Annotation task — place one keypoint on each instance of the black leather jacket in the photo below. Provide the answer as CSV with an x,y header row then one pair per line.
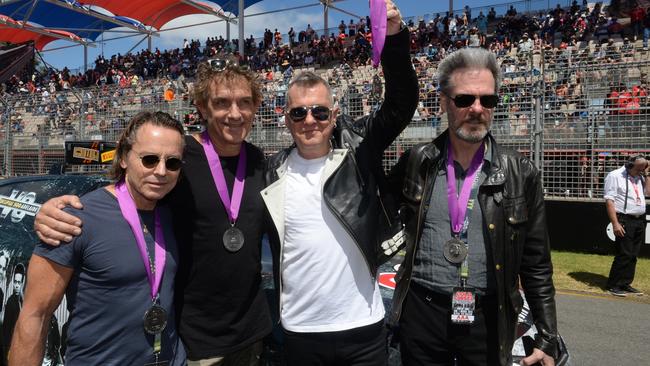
x,y
514,225
351,192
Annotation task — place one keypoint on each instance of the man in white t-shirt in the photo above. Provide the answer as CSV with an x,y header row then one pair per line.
x,y
323,202
625,192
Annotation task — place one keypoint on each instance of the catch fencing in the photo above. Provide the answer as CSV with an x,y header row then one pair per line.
x,y
578,113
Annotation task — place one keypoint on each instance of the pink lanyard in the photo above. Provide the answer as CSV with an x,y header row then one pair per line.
x,y
130,214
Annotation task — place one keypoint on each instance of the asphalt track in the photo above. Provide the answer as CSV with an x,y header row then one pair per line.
x,y
605,331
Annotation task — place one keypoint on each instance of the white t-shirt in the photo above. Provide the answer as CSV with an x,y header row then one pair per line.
x,y
326,283
615,191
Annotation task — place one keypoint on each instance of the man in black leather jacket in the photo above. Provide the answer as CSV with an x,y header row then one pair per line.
x,y
479,257
323,201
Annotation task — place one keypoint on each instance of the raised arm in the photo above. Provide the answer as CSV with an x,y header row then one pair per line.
x,y
45,288
401,97
53,225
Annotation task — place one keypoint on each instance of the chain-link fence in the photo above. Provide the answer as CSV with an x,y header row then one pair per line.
x,y
578,113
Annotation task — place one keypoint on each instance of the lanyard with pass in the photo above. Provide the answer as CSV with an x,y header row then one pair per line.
x,y
456,249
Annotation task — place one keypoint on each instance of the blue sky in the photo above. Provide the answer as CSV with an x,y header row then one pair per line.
x,y
73,57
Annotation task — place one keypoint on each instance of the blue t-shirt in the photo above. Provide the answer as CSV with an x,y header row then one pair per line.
x,y
109,293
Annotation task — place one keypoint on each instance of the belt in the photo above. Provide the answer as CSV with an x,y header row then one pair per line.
x,y
445,299
630,216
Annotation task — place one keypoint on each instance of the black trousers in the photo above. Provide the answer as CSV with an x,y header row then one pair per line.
x,y
428,337
363,346
627,249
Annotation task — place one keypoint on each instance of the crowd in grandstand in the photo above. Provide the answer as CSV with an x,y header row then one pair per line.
x,y
158,76
556,29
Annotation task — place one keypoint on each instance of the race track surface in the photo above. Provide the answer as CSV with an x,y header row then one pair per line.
x,y
604,331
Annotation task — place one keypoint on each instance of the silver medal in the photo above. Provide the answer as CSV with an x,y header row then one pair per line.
x,y
233,239
455,251
155,319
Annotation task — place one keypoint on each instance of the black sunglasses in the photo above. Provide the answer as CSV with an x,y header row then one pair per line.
x,y
151,161
319,112
220,65
466,100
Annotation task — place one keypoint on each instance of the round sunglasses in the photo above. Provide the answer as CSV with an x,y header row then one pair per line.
x,y
151,161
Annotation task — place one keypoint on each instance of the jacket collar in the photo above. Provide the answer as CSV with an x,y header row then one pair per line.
x,y
438,151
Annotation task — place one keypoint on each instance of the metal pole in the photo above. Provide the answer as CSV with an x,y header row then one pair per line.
x,y
7,148
451,7
538,92
326,11
241,28
85,58
228,31
593,117
149,45
538,131
41,161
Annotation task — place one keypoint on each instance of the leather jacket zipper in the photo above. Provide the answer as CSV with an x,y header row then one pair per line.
x,y
354,162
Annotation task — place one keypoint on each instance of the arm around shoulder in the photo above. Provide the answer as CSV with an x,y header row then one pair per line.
x,y
45,288
53,225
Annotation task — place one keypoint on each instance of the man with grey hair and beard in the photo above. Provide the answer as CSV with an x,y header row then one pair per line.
x,y
457,297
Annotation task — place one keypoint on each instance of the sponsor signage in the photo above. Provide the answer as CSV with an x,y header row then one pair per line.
x,y
89,152
584,227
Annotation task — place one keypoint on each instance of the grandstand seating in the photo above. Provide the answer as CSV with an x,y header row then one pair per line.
x,y
556,108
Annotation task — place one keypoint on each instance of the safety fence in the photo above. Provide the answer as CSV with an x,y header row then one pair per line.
x,y
576,113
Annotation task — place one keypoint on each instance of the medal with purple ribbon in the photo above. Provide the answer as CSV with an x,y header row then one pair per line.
x,y
378,26
233,238
155,318
453,251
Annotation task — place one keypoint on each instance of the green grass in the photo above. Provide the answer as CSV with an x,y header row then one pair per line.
x,y
588,273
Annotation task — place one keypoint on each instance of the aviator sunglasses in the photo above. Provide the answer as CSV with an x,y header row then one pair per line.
x,y
151,161
319,112
466,100
220,65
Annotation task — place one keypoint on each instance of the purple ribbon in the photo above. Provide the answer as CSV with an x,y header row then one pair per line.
x,y
458,203
378,26
130,213
232,207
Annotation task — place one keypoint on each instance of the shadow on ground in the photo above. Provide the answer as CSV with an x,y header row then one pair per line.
x,y
590,279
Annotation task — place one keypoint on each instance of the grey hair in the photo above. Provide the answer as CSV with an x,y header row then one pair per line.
x,y
467,58
308,79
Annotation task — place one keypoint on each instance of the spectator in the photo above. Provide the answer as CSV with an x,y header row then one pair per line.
x,y
482,23
637,16
492,15
614,27
352,28
646,30
525,46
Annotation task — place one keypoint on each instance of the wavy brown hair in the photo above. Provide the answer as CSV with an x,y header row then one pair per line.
x,y
232,72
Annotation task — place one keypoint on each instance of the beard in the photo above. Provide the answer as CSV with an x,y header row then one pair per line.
x,y
474,135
